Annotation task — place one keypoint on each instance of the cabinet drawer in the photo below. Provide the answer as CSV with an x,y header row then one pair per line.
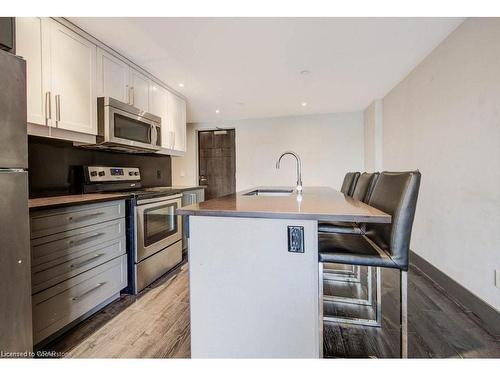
x,y
58,306
71,264
58,248
59,220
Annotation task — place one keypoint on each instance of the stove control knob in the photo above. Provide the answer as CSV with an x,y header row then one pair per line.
x,y
130,173
93,173
136,173
101,173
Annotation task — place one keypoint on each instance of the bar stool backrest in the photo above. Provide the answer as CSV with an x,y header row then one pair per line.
x,y
395,193
364,186
350,180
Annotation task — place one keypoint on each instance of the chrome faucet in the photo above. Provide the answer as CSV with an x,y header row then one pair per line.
x,y
299,168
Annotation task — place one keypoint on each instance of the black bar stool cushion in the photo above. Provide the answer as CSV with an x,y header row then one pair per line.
x,y
338,227
351,249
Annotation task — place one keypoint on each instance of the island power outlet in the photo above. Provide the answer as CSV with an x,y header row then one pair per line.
x,y
295,239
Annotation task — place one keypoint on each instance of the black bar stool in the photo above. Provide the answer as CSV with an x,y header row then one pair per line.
x,y
349,183
382,245
362,192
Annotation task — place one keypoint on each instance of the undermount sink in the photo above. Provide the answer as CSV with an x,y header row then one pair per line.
x,y
271,192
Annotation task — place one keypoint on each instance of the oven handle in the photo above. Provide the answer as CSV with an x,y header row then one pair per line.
x,y
154,201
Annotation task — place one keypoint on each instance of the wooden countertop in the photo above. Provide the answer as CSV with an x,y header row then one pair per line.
x,y
72,200
317,203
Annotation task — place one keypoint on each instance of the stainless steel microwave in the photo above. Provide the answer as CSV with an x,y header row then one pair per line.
x,y
123,127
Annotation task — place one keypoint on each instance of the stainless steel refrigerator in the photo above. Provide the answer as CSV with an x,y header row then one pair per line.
x,y
15,279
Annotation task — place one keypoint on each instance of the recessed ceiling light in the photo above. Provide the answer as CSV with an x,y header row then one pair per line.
x,y
217,111
305,72
304,104
181,84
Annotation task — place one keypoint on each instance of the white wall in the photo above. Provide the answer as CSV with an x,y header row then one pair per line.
x,y
373,136
444,119
328,144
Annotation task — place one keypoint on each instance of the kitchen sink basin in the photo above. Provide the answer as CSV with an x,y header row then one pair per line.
x,y
271,192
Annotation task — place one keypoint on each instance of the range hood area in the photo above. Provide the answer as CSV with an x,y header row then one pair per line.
x,y
125,128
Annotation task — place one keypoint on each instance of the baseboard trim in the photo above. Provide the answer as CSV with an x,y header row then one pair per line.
x,y
489,316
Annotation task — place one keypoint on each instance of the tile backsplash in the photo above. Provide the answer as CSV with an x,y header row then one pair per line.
x,y
52,165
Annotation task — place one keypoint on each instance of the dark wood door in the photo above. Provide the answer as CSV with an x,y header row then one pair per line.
x,y
7,34
217,168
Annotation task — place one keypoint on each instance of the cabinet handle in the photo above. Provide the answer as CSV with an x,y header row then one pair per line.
x,y
58,108
88,292
84,217
78,265
85,240
48,106
132,95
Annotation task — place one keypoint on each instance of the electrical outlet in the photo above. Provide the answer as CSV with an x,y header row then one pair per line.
x,y
295,239
497,278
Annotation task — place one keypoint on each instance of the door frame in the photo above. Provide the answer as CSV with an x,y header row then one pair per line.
x,y
197,150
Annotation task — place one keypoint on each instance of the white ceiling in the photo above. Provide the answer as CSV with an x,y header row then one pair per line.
x,y
250,67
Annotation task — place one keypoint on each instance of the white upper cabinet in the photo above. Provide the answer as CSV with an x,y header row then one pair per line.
x,y
29,46
176,109
158,100
139,90
72,80
172,110
112,76
180,125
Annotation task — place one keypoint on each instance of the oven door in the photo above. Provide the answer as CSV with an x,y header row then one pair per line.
x,y
132,130
158,225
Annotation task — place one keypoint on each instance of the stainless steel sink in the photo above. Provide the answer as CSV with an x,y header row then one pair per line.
x,y
271,192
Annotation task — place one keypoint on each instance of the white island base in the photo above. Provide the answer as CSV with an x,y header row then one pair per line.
x,y
250,297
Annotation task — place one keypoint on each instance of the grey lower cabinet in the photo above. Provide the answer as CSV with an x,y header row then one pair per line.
x,y
78,263
196,195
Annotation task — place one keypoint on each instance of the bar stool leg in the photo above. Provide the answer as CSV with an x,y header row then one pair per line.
x,y
377,322
404,313
378,276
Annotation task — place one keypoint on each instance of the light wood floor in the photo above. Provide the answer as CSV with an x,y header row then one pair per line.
x,y
155,324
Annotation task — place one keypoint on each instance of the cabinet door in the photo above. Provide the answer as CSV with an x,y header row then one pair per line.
x,y
158,100
139,85
178,112
29,46
72,77
158,105
112,76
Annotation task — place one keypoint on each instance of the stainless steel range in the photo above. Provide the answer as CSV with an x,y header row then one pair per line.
x,y
154,230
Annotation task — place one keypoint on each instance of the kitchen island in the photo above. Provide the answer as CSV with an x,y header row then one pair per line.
x,y
253,269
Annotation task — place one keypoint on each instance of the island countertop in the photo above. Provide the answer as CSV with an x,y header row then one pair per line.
x,y
316,203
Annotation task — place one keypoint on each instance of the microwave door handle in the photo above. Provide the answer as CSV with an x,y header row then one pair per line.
x,y
154,135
